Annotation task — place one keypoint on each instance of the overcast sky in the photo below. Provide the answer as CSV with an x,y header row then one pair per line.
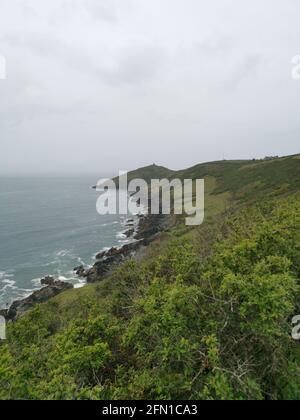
x,y
98,85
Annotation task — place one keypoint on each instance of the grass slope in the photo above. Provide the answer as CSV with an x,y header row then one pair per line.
x,y
205,314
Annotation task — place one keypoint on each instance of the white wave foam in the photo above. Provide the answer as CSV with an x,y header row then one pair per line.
x,y
62,253
121,235
51,263
79,285
5,275
36,282
9,282
124,241
104,249
80,261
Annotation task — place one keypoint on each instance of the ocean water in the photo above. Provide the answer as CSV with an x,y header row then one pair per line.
x,y
48,226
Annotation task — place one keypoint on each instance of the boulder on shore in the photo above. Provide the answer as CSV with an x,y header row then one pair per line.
x,y
106,261
52,289
48,281
80,271
128,233
149,228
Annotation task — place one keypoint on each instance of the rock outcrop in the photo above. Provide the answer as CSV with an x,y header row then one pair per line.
x,y
20,307
149,227
80,271
128,233
107,261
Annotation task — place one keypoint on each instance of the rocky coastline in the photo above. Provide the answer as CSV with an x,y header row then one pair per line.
x,y
50,289
149,227
147,230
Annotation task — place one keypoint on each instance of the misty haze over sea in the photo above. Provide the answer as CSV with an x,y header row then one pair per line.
x,y
49,225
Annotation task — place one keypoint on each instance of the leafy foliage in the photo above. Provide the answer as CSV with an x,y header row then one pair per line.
x,y
186,324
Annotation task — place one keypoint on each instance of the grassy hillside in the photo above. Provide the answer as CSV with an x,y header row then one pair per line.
x,y
241,181
204,313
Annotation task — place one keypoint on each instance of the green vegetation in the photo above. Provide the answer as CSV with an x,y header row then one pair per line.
x,y
148,173
205,315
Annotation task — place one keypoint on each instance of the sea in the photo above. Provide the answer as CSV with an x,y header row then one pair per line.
x,y
48,226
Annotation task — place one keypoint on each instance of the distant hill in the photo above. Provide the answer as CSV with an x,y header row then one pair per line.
x,y
242,179
147,173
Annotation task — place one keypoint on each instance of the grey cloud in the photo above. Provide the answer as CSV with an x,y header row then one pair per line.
x,y
119,83
246,68
97,9
102,9
138,65
213,48
133,65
